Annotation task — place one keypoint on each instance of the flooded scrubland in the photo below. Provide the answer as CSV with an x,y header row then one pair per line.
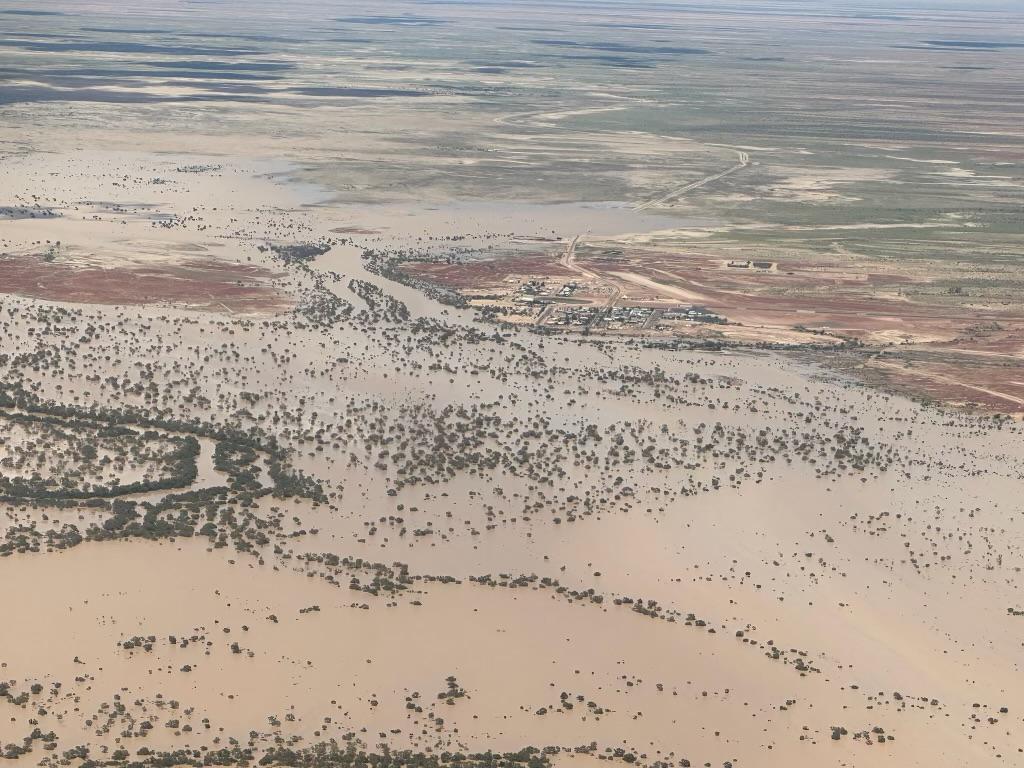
x,y
385,391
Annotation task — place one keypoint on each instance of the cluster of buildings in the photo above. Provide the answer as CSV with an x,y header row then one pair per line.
x,y
574,316
693,314
532,290
557,305
629,317
622,318
764,266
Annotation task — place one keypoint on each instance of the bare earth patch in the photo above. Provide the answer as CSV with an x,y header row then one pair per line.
x,y
197,283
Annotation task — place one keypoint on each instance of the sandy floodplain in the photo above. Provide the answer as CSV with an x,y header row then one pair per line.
x,y
404,529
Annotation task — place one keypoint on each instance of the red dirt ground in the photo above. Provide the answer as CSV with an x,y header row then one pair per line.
x,y
201,284
995,385
476,274
962,354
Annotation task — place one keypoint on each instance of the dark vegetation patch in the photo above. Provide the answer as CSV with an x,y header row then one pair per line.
x,y
297,253
622,62
629,25
187,74
129,31
972,45
224,514
250,37
123,47
379,264
624,47
79,78
78,440
10,212
400,21
381,307
213,64
28,95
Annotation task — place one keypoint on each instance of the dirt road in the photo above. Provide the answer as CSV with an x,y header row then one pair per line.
x,y
743,161
568,261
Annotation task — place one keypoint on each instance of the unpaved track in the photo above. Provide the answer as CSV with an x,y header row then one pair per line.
x,y
669,290
876,363
568,261
743,161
